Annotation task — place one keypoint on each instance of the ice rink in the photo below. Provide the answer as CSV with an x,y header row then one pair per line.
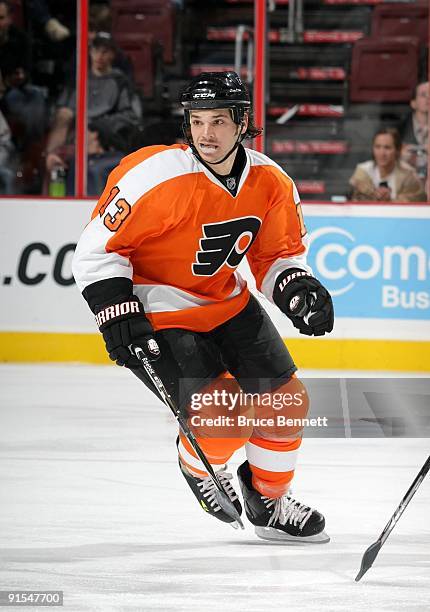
x,y
92,503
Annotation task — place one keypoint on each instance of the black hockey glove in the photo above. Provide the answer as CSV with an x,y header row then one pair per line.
x,y
124,324
297,293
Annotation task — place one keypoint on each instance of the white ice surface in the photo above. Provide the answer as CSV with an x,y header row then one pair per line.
x,y
92,503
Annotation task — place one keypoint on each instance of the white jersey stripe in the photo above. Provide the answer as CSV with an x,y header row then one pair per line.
x,y
166,298
91,263
280,265
192,461
188,458
154,171
298,261
272,461
259,159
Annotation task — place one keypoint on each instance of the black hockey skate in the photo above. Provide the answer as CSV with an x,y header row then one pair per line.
x,y
283,519
205,491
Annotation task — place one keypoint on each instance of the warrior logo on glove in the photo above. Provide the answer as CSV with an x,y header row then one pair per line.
x,y
123,325
116,310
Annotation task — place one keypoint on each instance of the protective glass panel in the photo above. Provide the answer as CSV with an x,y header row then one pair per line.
x,y
348,98
37,57
339,71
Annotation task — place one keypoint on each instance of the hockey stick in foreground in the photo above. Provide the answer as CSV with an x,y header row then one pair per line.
x,y
373,550
221,496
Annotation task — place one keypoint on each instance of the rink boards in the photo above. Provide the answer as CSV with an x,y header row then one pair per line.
x,y
375,260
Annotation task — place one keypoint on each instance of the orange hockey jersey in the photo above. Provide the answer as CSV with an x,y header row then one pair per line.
x,y
168,224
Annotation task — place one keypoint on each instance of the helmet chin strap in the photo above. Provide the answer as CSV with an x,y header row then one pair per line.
x,y
232,150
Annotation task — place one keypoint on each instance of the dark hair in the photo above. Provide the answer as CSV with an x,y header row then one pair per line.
x,y
252,130
394,133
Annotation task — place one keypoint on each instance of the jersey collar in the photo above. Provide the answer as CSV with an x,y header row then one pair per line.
x,y
214,178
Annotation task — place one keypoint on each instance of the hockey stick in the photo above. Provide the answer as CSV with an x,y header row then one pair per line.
x,y
373,550
221,496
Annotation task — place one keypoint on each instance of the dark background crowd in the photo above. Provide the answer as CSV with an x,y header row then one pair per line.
x,y
340,134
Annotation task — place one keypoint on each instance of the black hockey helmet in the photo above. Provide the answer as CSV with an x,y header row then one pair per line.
x,y
217,90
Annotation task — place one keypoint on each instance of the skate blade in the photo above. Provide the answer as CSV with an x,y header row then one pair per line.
x,y
237,524
276,535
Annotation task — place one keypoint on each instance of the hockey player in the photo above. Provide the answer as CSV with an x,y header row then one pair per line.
x,y
158,261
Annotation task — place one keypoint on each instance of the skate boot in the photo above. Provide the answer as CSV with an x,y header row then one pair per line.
x,y
205,491
283,519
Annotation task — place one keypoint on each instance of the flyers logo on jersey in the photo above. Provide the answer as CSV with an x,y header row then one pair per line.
x,y
224,243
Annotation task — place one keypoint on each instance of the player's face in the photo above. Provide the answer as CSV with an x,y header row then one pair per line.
x,y
384,151
214,133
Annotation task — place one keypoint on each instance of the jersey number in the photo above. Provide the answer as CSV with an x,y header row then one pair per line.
x,y
224,243
114,221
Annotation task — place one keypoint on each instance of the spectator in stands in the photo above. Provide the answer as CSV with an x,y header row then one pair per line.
x,y
14,43
24,106
52,24
414,131
110,116
7,174
385,178
43,13
100,20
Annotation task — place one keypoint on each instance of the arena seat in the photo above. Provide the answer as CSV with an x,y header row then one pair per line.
x,y
401,20
156,17
384,70
17,13
141,51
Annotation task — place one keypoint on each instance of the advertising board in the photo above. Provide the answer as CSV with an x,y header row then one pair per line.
x,y
375,261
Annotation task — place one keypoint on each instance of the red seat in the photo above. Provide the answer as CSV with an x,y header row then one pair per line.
x,y
156,17
384,70
17,13
141,49
401,20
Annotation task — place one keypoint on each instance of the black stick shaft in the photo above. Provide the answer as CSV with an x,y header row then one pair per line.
x,y
182,423
373,550
405,501
222,497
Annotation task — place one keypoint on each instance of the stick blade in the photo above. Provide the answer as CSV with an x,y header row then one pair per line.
x,y
368,559
227,505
